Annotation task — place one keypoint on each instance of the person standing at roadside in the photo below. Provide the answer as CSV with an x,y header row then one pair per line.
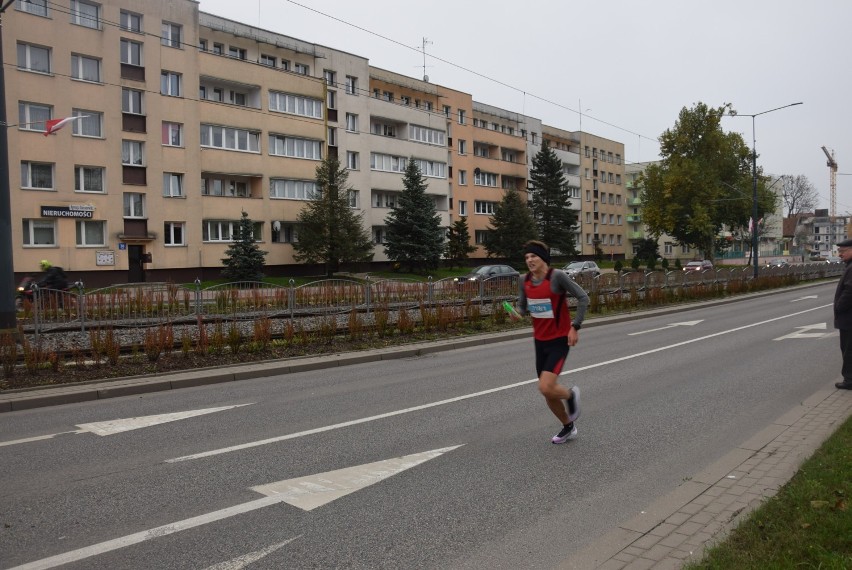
x,y
544,296
843,313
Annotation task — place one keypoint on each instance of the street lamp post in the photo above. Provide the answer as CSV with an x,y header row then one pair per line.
x,y
754,240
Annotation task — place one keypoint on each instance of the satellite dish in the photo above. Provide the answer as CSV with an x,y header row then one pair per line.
x,y
276,225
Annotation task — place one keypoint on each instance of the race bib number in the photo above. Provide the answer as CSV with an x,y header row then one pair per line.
x,y
540,308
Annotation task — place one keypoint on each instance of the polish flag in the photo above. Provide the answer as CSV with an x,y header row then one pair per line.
x,y
54,125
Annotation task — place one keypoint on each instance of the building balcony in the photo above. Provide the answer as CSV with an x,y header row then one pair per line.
x,y
635,235
634,218
634,201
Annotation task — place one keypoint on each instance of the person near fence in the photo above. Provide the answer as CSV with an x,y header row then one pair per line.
x,y
544,296
843,313
53,276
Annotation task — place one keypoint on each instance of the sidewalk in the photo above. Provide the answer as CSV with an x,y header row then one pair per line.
x,y
702,511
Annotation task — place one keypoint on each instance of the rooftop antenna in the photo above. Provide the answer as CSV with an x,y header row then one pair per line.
x,y
425,41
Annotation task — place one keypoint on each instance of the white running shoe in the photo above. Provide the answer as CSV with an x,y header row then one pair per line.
x,y
565,434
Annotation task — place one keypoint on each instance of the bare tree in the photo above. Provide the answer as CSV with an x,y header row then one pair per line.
x,y
799,194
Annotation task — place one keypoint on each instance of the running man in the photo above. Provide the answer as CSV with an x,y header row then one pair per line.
x,y
544,296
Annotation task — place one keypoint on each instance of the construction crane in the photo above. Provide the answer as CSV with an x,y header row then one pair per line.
x,y
832,164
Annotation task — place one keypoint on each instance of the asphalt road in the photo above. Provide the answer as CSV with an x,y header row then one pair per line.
x,y
455,464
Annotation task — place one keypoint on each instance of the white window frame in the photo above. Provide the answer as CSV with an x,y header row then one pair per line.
x,y
427,135
131,52
134,205
232,227
351,85
462,146
25,53
352,160
230,138
291,189
387,162
485,179
171,83
26,112
129,99
287,232
82,229
268,60
27,175
463,208
171,35
431,168
354,198
34,7
351,123
462,177
81,14
82,64
174,234
173,185
132,153
295,104
80,172
302,68
237,52
91,125
31,226
131,21
486,207
168,132
295,147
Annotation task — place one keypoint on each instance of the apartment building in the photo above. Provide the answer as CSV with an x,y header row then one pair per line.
x,y
566,146
603,198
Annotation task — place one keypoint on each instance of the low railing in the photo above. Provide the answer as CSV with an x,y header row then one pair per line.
x,y
154,304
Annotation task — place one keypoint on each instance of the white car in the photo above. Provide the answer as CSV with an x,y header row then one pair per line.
x,y
582,268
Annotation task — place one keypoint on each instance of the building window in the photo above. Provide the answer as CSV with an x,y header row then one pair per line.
x,y
301,69
85,68
39,233
134,205
172,185
91,233
354,199
378,236
405,100
37,175
85,14
131,52
131,22
480,150
283,232
351,85
33,58
37,7
173,233
292,189
352,160
462,207
90,123
295,104
480,237
485,179
132,153
89,179
447,111
352,122
237,52
33,116
171,35
462,116
218,49
172,134
268,60
331,100
332,136
281,145
484,207
131,101
387,162
462,177
431,168
228,138
427,135
170,84
462,146
383,129
216,230
330,77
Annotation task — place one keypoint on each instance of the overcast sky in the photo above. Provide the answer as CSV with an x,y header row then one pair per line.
x,y
630,66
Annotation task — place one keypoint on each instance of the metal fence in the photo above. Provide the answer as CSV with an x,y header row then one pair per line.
x,y
153,304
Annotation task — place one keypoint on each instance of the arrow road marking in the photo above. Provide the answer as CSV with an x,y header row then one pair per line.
x,y
804,298
246,559
683,324
314,491
802,332
118,426
333,485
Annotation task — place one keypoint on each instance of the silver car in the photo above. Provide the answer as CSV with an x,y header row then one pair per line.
x,y
576,268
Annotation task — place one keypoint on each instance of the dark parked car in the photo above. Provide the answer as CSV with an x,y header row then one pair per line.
x,y
698,265
487,272
576,268
778,263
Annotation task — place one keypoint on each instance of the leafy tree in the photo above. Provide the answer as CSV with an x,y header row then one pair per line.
x,y
704,181
415,237
647,248
636,262
458,242
244,261
329,231
512,225
798,194
550,202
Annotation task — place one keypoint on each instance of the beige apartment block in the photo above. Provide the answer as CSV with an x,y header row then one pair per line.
x,y
566,146
602,194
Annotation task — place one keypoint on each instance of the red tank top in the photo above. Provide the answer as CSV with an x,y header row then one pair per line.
x,y
549,311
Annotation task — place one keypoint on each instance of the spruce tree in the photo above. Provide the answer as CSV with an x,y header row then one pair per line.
x,y
458,242
550,201
330,232
244,260
512,225
415,237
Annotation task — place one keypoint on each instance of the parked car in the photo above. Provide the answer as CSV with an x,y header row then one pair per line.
x,y
576,268
777,263
833,259
698,265
487,272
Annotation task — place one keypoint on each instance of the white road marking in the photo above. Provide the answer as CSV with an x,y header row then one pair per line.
x,y
246,559
341,425
683,324
314,491
299,492
804,298
111,427
802,332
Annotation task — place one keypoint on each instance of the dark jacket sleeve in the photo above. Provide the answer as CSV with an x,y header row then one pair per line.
x,y
843,301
